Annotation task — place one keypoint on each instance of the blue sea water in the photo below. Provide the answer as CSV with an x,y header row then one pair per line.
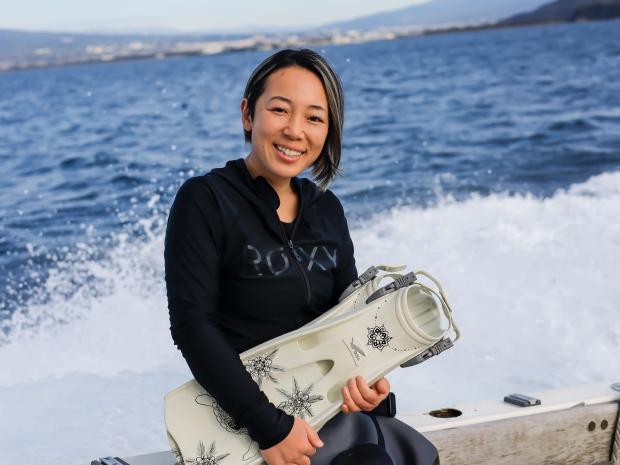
x,y
491,159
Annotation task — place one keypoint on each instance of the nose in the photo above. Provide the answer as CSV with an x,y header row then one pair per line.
x,y
294,128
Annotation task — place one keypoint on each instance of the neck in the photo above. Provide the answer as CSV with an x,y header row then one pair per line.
x,y
282,186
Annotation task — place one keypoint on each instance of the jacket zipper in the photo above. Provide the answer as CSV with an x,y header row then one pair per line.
x,y
297,260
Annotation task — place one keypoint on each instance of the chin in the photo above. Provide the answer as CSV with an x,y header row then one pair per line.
x,y
287,168
288,171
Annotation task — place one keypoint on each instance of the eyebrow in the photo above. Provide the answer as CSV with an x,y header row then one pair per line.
x,y
290,102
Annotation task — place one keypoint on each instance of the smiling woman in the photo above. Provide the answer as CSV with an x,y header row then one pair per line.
x,y
242,265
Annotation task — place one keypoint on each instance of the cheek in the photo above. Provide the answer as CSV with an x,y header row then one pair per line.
x,y
265,123
319,137
317,149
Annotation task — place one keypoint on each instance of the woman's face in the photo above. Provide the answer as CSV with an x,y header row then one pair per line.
x,y
290,124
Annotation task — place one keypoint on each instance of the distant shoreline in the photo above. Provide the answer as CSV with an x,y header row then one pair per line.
x,y
119,59
276,43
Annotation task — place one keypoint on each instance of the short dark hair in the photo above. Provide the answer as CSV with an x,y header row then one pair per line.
x,y
327,165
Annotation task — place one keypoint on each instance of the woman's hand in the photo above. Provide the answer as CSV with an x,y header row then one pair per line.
x,y
357,396
296,448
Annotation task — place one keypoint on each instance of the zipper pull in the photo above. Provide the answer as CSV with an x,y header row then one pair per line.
x,y
295,254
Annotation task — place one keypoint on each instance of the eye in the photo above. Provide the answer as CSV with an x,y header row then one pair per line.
x,y
278,110
315,119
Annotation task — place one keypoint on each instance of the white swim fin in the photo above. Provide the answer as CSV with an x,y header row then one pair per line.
x,y
369,333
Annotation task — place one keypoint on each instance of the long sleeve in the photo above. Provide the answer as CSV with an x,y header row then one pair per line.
x,y
192,266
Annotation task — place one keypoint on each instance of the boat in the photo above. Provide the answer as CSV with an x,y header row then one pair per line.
x,y
575,425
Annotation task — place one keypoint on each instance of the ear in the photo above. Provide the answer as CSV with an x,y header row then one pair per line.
x,y
246,120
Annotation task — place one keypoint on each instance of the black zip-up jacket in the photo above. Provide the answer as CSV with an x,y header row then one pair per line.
x,y
236,277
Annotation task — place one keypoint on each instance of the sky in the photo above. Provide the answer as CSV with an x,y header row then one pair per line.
x,y
184,15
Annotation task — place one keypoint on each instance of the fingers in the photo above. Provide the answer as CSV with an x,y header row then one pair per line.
x,y
313,437
348,405
302,460
369,394
370,398
358,396
382,387
304,454
297,448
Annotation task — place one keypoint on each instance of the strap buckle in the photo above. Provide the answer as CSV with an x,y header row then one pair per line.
x,y
400,282
435,349
359,282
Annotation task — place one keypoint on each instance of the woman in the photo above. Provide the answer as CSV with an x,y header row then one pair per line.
x,y
252,251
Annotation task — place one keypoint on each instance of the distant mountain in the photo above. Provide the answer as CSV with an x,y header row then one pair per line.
x,y
568,10
439,13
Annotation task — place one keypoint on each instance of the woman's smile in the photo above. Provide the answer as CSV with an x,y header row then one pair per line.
x,y
287,153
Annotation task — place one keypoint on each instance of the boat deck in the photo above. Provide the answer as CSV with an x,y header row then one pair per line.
x,y
573,426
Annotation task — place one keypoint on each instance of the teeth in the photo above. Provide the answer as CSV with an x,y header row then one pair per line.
x,y
289,152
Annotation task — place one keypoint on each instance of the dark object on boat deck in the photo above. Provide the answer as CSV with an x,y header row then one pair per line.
x,y
521,400
445,413
109,461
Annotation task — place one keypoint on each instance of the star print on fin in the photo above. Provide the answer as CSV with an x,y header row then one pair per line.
x,y
299,402
378,337
207,458
262,367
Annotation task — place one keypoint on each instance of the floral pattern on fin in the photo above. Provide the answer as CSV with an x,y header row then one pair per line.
x,y
262,367
378,337
207,458
299,402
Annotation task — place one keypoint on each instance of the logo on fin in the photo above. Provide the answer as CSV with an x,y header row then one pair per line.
x,y
355,350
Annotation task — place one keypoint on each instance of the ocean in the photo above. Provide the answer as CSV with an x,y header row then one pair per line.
x,y
490,159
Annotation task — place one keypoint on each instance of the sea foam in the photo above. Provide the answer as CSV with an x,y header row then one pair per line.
x,y
533,285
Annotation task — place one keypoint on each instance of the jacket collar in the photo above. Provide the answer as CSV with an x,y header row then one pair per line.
x,y
236,173
259,192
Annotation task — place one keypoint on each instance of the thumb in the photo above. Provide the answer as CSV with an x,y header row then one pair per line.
x,y
382,387
313,436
